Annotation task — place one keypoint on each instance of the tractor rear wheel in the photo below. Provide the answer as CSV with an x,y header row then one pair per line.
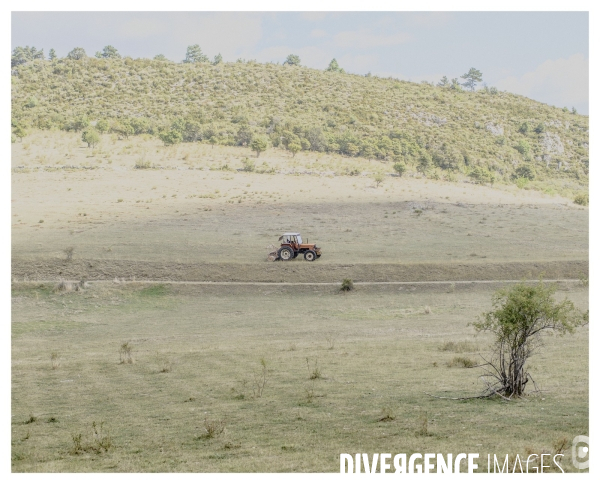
x,y
285,253
310,255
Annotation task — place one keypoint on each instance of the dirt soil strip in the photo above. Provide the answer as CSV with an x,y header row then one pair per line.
x,y
278,284
291,272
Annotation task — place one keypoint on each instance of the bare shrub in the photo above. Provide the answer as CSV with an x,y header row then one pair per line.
x,y
423,425
331,339
260,379
69,253
125,353
54,360
101,441
314,372
310,393
213,427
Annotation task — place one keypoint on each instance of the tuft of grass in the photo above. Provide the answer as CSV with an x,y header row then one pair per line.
x,y
458,346
32,418
423,425
156,290
64,286
347,285
166,365
461,362
388,415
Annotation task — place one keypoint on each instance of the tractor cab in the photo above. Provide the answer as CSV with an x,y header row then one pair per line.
x,y
292,238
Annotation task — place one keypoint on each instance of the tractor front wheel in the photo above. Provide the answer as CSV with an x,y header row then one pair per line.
x,y
286,253
310,255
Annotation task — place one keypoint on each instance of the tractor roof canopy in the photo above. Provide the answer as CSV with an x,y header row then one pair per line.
x,y
292,233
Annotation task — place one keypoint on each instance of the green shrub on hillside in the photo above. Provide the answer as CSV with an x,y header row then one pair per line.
x,y
582,199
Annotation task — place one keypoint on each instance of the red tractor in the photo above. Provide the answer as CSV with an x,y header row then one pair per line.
x,y
292,246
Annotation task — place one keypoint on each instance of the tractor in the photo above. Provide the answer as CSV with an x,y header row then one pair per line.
x,y
292,246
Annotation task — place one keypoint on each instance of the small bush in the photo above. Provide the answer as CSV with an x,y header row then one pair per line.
x,y
400,168
521,182
142,164
248,165
378,178
582,199
125,353
461,362
347,285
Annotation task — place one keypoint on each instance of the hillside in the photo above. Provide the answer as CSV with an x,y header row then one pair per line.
x,y
438,131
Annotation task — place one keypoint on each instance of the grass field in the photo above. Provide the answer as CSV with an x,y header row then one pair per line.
x,y
197,352
201,353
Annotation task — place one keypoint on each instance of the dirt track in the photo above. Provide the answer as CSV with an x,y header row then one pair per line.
x,y
295,271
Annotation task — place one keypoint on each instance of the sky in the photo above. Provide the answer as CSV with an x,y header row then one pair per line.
x,y
541,55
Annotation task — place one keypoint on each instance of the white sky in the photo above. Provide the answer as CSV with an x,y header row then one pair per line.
x,y
543,55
